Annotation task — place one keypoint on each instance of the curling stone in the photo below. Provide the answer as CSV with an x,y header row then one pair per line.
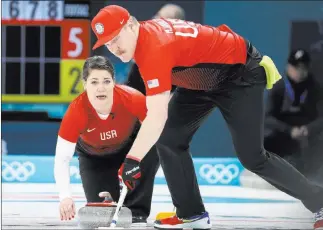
x,y
96,215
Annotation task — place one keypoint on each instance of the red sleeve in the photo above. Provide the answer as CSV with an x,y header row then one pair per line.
x,y
156,70
138,105
136,102
225,28
73,123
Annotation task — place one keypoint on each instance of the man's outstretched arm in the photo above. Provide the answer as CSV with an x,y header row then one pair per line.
x,y
152,126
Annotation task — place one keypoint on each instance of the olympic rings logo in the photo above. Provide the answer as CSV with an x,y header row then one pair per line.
x,y
219,173
17,171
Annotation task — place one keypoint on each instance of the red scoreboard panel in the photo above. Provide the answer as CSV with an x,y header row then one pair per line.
x,y
44,46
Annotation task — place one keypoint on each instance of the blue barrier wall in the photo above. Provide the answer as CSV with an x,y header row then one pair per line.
x,y
30,137
39,169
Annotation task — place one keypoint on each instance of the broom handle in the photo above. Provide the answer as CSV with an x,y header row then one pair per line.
x,y
119,205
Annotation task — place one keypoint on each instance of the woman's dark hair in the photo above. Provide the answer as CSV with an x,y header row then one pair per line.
x,y
97,62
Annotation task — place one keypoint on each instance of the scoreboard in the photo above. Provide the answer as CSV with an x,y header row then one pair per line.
x,y
44,46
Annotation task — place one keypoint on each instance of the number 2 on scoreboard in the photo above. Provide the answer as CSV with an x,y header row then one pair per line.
x,y
75,72
71,78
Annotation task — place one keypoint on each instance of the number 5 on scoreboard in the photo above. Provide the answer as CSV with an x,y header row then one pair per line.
x,y
75,39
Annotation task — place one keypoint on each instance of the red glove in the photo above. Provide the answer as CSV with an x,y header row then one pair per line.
x,y
130,172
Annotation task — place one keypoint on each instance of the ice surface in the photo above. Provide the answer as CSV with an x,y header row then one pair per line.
x,y
35,206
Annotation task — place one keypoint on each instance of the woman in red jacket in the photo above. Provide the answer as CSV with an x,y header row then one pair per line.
x,y
101,125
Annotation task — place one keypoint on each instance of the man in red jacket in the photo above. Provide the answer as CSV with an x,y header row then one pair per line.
x,y
212,67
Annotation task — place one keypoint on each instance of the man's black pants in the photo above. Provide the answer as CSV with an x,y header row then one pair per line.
x,y
241,103
101,174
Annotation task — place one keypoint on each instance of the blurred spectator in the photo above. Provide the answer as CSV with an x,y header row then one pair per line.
x,y
294,116
167,11
171,11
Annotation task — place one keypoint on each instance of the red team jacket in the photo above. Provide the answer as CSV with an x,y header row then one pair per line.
x,y
166,47
104,136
